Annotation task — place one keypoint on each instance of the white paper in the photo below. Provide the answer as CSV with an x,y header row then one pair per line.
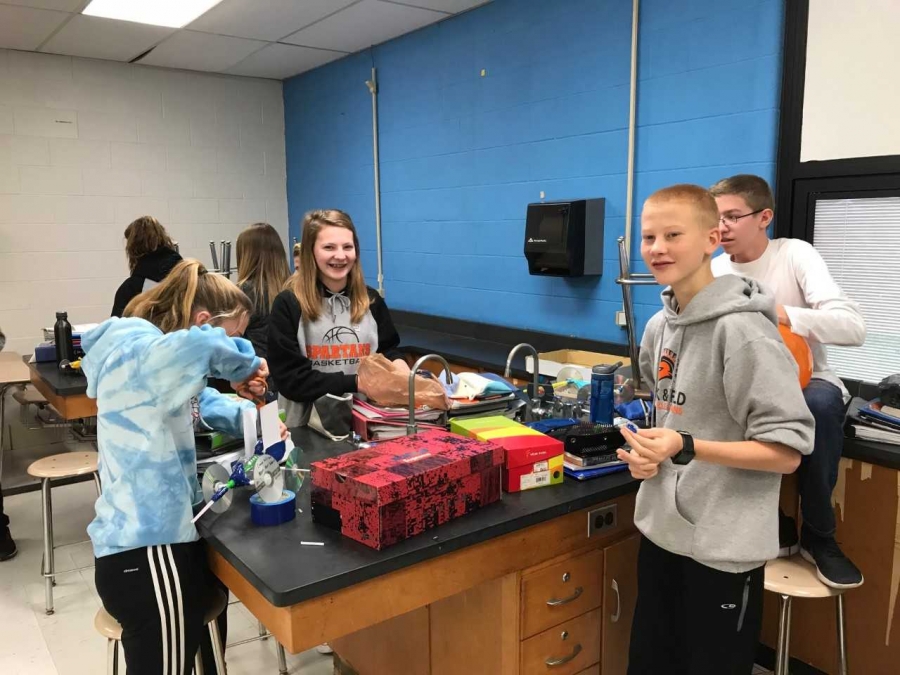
x,y
249,418
269,421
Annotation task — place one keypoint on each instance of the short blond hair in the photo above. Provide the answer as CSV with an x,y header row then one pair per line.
x,y
752,189
695,196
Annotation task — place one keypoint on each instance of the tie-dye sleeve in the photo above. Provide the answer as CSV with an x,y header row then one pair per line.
x,y
223,413
175,366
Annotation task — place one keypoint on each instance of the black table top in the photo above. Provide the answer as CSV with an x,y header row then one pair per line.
x,y
60,383
286,573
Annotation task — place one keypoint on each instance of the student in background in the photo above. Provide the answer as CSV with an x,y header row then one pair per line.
x,y
7,544
297,256
327,319
262,271
151,256
729,419
148,374
813,306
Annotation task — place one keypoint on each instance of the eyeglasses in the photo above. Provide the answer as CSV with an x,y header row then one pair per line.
x,y
732,219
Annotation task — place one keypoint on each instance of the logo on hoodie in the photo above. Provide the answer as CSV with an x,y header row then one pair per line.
x,y
666,368
668,398
341,348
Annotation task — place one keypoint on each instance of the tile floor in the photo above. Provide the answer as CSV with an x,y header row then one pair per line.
x,y
65,643
32,643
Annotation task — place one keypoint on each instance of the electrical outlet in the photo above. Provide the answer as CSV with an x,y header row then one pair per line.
x,y
602,519
620,318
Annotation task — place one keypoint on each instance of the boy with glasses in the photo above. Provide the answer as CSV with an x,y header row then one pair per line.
x,y
812,305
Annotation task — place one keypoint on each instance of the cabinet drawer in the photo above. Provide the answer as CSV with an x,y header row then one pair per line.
x,y
566,649
560,592
593,670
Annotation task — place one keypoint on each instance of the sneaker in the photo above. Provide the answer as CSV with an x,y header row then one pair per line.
x,y
7,546
325,648
788,541
832,567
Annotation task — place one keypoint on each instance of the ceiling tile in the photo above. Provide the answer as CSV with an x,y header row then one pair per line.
x,y
201,51
368,23
449,6
243,18
26,28
62,5
105,38
279,61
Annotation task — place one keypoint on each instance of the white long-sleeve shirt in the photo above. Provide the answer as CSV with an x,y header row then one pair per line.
x,y
818,309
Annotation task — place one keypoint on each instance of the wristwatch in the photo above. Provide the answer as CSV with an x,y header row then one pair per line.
x,y
687,450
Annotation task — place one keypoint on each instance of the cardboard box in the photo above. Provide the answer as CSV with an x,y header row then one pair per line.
x,y
468,426
542,473
552,362
397,489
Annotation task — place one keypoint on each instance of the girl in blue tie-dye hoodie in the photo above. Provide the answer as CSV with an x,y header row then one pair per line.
x,y
148,373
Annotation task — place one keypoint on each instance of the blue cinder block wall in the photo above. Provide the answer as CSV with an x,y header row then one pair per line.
x,y
463,153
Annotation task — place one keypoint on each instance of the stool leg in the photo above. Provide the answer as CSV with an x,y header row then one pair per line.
x,y
282,661
263,631
47,567
97,483
842,636
198,663
112,657
782,652
3,389
218,654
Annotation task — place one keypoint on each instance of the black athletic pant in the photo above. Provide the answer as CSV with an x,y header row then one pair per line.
x,y
691,619
159,595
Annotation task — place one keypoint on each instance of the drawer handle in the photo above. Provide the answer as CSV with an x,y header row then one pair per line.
x,y
615,617
552,663
556,602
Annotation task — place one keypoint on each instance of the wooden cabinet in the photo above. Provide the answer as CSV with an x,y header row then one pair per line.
x,y
565,649
560,592
566,611
620,589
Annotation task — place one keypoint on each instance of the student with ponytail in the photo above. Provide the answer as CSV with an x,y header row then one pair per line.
x,y
262,271
148,373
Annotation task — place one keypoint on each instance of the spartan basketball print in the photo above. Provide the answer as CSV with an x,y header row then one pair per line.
x,y
340,347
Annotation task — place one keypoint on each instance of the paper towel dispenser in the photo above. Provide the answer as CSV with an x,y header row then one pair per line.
x,y
565,238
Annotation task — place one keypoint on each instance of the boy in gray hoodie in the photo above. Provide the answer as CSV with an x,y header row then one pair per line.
x,y
729,419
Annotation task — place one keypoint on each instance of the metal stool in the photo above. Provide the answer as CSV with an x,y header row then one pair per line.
x,y
263,634
109,628
795,578
66,465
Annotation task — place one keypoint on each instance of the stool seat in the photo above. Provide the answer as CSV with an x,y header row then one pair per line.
x,y
109,628
29,396
64,465
797,578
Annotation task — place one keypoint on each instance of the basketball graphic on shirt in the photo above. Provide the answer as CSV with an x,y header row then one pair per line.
x,y
799,349
341,335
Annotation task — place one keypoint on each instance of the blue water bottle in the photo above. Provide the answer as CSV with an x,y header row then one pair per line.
x,y
602,393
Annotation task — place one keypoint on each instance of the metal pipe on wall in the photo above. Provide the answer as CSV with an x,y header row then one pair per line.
x,y
373,90
632,116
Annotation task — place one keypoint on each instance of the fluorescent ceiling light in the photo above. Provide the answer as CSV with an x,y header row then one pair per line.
x,y
170,13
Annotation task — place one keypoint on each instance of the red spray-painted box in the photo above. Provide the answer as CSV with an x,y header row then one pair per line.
x,y
397,489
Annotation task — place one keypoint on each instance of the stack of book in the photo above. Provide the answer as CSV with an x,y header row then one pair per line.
x,y
590,450
378,423
873,421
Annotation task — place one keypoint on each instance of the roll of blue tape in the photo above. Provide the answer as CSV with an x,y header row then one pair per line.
x,y
274,513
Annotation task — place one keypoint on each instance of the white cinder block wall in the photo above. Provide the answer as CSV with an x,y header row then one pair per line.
x,y
87,146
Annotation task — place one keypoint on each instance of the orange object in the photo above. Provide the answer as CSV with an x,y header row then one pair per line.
x,y
801,352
